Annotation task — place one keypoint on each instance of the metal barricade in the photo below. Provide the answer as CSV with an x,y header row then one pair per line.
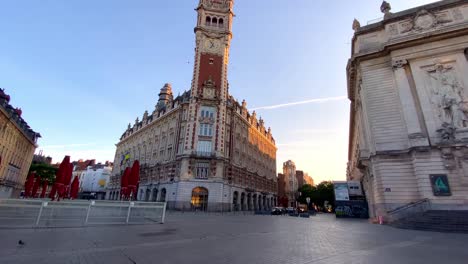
x,y
73,213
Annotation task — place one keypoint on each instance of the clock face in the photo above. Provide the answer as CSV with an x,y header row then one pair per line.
x,y
211,45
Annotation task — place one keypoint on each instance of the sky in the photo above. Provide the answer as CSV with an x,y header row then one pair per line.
x,y
81,70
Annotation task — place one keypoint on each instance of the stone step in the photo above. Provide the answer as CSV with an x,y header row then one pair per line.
x,y
436,220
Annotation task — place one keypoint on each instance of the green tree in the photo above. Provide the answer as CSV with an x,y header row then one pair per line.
x,y
45,171
326,193
318,194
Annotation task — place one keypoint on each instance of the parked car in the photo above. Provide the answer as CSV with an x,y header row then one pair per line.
x,y
276,211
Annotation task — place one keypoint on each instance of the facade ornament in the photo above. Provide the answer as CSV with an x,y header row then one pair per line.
x,y
397,64
447,133
137,121
448,96
385,9
129,126
356,25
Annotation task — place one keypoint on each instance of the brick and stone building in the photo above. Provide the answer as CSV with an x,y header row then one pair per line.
x,y
202,150
408,87
300,178
17,145
290,182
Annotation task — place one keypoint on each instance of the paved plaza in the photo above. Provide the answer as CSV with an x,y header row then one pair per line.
x,y
215,238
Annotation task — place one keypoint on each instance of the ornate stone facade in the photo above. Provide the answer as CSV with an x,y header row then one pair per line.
x,y
202,150
17,146
407,82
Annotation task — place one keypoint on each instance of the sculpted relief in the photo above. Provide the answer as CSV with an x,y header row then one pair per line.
x,y
448,96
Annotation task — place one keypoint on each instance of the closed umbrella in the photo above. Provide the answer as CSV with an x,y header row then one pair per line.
x,y
134,178
37,183
61,177
28,185
124,183
44,188
74,188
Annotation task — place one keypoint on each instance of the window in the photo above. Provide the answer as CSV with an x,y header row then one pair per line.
x,y
202,170
221,23
211,61
214,21
208,21
204,147
207,112
206,130
466,53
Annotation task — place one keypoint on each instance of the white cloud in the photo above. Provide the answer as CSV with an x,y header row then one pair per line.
x,y
310,101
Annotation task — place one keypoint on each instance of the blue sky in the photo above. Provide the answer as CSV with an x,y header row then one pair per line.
x,y
81,70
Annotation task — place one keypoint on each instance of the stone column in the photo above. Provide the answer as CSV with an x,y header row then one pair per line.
x,y
416,134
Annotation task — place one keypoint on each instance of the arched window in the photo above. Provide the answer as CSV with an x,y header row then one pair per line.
x,y
199,199
466,53
214,21
163,195
221,23
208,21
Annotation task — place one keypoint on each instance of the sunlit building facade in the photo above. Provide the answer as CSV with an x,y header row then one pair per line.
x,y
17,146
202,150
408,87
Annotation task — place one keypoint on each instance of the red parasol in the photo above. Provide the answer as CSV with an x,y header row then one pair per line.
x,y
61,177
74,188
44,188
37,183
134,178
53,192
124,183
28,185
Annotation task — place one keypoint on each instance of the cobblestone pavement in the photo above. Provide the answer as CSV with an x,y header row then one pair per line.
x,y
215,238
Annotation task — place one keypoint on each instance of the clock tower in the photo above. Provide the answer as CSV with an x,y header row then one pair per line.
x,y
209,90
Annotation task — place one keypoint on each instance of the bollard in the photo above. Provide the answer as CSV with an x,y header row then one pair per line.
x,y
129,209
163,213
88,211
43,204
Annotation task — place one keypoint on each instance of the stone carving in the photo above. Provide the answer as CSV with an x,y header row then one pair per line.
x,y
449,98
424,20
393,29
356,24
447,132
457,14
396,64
406,27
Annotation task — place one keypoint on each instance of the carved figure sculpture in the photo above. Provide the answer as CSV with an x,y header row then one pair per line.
x,y
453,108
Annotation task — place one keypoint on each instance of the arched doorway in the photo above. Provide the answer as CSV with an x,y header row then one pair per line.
x,y
235,201
163,195
147,195
155,194
254,198
249,201
199,199
243,201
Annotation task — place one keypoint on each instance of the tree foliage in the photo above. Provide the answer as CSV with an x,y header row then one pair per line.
x,y
45,171
318,194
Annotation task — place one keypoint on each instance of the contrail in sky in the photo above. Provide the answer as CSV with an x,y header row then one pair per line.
x,y
310,101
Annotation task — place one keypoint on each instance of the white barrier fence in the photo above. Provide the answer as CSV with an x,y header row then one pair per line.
x,y
73,213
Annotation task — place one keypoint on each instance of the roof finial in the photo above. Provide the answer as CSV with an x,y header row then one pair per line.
x,y
385,8
356,24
